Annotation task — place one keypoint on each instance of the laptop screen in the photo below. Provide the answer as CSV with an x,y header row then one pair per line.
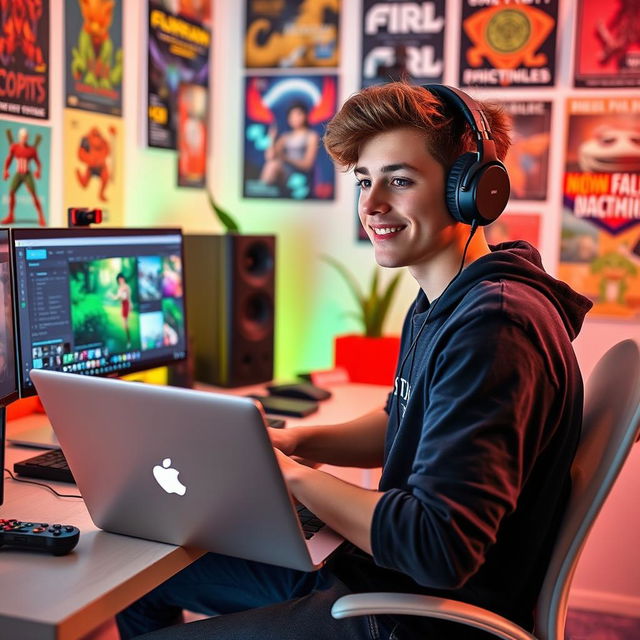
x,y
98,301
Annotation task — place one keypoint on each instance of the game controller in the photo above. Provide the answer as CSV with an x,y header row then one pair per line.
x,y
57,539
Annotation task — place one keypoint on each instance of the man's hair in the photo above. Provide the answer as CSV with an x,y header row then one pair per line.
x,y
382,108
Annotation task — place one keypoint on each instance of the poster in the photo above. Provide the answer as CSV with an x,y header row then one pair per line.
x,y
192,136
514,226
506,43
607,44
94,164
292,33
402,41
25,152
178,54
600,243
527,160
24,58
93,55
195,10
285,117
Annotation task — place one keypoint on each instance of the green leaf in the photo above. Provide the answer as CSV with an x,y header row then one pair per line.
x,y
352,283
230,225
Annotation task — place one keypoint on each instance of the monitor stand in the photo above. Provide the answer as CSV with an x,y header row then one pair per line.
x,y
40,437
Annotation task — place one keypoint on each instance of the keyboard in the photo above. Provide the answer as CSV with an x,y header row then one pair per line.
x,y
52,465
310,523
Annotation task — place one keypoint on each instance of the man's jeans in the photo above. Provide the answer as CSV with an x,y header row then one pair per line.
x,y
263,602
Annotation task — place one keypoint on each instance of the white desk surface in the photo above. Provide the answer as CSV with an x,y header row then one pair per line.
x,y
44,597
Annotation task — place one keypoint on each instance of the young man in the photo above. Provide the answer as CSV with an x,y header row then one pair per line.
x,y
476,440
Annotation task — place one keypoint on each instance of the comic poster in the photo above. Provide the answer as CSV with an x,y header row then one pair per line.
x,y
178,53
192,136
24,58
507,43
402,41
25,152
94,163
284,120
600,242
607,44
528,158
93,55
292,33
514,226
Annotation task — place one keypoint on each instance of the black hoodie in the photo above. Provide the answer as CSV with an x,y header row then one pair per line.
x,y
476,476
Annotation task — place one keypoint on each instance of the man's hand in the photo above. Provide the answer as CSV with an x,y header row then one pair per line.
x,y
5,175
283,439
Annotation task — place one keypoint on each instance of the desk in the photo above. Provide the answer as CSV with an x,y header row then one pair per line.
x,y
44,597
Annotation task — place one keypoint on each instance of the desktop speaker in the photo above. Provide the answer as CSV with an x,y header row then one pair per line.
x,y
230,292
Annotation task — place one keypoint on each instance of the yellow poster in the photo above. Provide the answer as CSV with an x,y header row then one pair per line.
x,y
94,164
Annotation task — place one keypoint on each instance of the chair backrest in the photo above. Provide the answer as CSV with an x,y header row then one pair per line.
x,y
611,425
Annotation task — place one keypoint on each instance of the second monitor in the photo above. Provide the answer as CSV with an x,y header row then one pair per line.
x,y
98,301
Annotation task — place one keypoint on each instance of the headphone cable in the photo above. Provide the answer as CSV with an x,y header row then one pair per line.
x,y
412,348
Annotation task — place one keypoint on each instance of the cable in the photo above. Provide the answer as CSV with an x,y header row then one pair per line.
x,y
412,348
42,484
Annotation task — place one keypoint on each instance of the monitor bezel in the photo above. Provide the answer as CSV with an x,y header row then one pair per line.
x,y
87,232
15,393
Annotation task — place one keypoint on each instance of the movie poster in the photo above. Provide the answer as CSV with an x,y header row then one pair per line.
x,y
93,56
505,43
24,58
178,54
284,120
607,44
94,164
402,41
192,136
292,33
514,226
528,158
600,244
195,10
25,152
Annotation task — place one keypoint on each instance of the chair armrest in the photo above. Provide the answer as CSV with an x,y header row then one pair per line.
x,y
416,605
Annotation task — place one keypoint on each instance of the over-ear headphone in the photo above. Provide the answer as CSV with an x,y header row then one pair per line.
x,y
477,185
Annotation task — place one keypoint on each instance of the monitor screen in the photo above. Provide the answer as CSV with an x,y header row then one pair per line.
x,y
98,301
8,382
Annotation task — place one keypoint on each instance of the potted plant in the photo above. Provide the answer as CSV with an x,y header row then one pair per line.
x,y
371,356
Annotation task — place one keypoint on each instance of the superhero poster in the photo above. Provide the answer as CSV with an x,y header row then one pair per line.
x,y
508,43
93,55
402,41
607,44
285,117
192,136
25,152
24,58
94,163
600,242
292,33
514,226
528,158
178,53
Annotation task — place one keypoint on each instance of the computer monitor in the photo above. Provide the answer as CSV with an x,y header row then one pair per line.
x,y
8,376
98,301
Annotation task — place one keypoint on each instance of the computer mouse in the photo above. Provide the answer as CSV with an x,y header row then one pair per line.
x,y
302,390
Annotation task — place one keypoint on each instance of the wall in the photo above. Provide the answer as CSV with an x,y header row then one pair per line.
x,y
311,297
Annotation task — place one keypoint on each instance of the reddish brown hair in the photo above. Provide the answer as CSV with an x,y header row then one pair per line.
x,y
391,106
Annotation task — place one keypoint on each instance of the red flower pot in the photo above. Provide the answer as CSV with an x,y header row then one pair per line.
x,y
370,360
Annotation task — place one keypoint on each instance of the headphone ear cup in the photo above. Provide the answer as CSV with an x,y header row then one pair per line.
x,y
455,179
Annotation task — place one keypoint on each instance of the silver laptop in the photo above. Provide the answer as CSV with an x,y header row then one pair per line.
x,y
185,467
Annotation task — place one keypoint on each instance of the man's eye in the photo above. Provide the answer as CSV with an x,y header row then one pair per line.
x,y
401,182
364,183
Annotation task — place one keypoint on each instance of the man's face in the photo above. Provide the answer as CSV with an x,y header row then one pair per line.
x,y
402,203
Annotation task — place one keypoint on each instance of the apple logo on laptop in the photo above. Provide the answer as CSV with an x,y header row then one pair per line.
x,y
167,478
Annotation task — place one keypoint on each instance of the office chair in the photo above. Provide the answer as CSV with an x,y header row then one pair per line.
x,y
611,424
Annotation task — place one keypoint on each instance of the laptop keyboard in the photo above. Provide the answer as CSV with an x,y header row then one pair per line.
x,y
52,465
310,523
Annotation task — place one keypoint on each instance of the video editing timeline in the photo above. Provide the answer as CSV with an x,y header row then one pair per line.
x,y
98,301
